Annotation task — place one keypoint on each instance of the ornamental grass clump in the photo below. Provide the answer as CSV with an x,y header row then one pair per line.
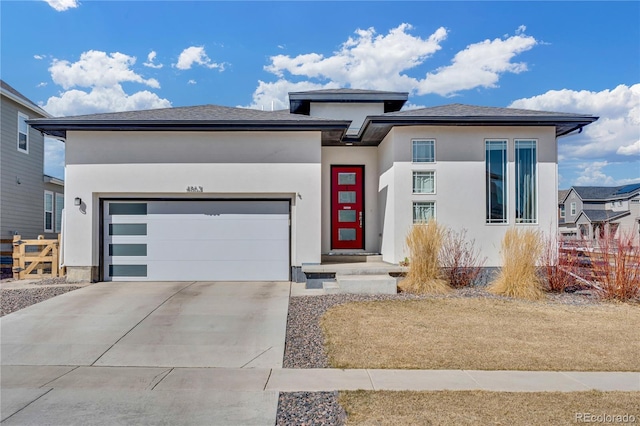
x,y
424,276
521,250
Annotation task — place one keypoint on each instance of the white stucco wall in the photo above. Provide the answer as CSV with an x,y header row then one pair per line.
x,y
460,184
283,165
356,112
352,156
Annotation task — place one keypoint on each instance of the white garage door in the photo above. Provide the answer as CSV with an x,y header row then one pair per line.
x,y
196,241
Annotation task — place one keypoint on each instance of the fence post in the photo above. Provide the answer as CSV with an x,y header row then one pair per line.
x,y
18,257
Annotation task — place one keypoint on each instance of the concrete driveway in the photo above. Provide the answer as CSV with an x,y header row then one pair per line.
x,y
145,353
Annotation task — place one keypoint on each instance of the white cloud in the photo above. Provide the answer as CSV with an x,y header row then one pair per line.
x,y
103,74
369,60
196,55
479,65
38,57
42,84
192,81
617,129
269,95
592,174
62,5
150,58
632,149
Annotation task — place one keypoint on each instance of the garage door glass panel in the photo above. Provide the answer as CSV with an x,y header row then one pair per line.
x,y
347,197
127,229
127,270
127,209
127,249
347,216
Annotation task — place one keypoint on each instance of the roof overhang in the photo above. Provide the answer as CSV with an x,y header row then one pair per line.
x,y
25,104
300,102
332,130
375,128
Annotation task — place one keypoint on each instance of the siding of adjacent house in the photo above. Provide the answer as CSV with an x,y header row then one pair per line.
x,y
21,177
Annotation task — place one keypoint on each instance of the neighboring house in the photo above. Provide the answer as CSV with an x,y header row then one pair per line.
x,y
594,212
218,193
30,202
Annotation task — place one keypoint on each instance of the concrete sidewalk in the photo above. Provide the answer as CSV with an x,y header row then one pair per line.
x,y
98,395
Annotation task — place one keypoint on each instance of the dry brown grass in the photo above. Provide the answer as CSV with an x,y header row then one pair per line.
x,y
483,334
424,276
518,277
483,407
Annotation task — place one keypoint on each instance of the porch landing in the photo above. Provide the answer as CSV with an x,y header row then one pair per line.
x,y
360,273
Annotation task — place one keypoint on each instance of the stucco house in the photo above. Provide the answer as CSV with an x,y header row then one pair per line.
x,y
31,202
218,193
595,212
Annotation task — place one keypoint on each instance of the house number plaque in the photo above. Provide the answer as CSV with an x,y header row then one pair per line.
x,y
194,189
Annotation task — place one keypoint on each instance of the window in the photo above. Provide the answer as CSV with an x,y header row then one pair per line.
x,y
562,210
23,133
58,216
496,181
48,211
423,211
424,182
424,152
573,209
526,190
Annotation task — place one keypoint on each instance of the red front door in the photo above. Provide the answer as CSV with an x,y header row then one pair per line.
x,y
347,207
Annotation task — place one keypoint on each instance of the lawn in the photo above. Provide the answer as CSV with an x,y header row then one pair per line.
x,y
483,334
488,408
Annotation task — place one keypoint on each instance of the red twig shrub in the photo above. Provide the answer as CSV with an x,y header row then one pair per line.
x,y
557,265
617,268
460,260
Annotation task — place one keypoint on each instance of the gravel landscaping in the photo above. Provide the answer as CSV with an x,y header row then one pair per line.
x,y
14,299
310,408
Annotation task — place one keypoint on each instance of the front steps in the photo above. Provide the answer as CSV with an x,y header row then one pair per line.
x,y
361,284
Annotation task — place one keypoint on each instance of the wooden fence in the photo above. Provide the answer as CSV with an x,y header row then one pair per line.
x,y
36,258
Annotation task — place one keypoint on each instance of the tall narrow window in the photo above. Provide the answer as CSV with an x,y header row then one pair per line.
x,y
526,188
496,181
48,211
423,152
58,215
424,182
23,133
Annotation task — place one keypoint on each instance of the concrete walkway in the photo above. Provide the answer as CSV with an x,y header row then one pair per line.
x,y
93,395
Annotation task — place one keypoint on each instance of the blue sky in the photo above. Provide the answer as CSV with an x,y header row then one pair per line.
x,y
98,56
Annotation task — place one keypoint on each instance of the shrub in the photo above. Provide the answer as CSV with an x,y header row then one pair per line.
x,y
520,252
425,242
618,268
460,261
557,265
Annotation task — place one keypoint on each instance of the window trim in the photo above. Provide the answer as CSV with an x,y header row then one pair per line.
x,y
521,221
413,210
21,117
562,211
413,143
573,208
57,217
50,193
413,177
505,189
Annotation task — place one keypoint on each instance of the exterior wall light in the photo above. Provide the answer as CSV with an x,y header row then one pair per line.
x,y
77,201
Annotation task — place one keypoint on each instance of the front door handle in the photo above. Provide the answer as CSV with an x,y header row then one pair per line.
x,y
360,219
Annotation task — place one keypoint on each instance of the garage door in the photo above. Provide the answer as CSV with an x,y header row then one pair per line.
x,y
196,241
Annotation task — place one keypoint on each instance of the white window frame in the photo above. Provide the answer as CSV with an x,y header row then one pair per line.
x,y
413,181
414,142
519,190
413,210
57,217
22,117
573,208
52,211
505,180
562,211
